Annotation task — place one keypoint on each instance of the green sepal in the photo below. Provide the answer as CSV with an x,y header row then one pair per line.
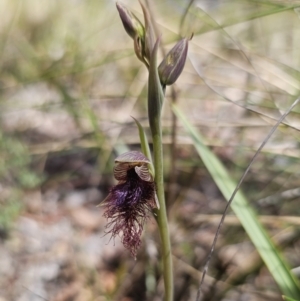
x,y
155,93
149,33
145,146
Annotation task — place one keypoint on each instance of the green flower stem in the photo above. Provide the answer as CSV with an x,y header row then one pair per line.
x,y
155,101
162,214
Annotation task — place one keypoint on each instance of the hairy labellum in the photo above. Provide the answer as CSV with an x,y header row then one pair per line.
x,y
129,203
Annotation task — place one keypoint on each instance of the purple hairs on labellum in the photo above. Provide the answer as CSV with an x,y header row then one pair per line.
x,y
130,201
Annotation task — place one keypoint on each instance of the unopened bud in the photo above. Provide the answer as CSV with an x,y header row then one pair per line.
x,y
172,65
131,23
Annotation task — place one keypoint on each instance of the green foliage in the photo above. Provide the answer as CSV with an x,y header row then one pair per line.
x,y
10,208
16,175
288,299
15,164
269,252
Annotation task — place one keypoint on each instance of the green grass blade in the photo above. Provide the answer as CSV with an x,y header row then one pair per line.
x,y
247,216
287,298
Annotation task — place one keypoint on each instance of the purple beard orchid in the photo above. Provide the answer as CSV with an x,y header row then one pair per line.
x,y
130,201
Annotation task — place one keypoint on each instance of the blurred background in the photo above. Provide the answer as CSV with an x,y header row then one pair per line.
x,y
69,84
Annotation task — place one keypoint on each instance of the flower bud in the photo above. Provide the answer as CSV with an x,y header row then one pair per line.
x,y
131,23
172,65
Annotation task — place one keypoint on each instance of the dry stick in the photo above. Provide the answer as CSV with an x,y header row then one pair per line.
x,y
235,102
240,49
236,190
219,27
228,99
185,15
250,18
277,197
